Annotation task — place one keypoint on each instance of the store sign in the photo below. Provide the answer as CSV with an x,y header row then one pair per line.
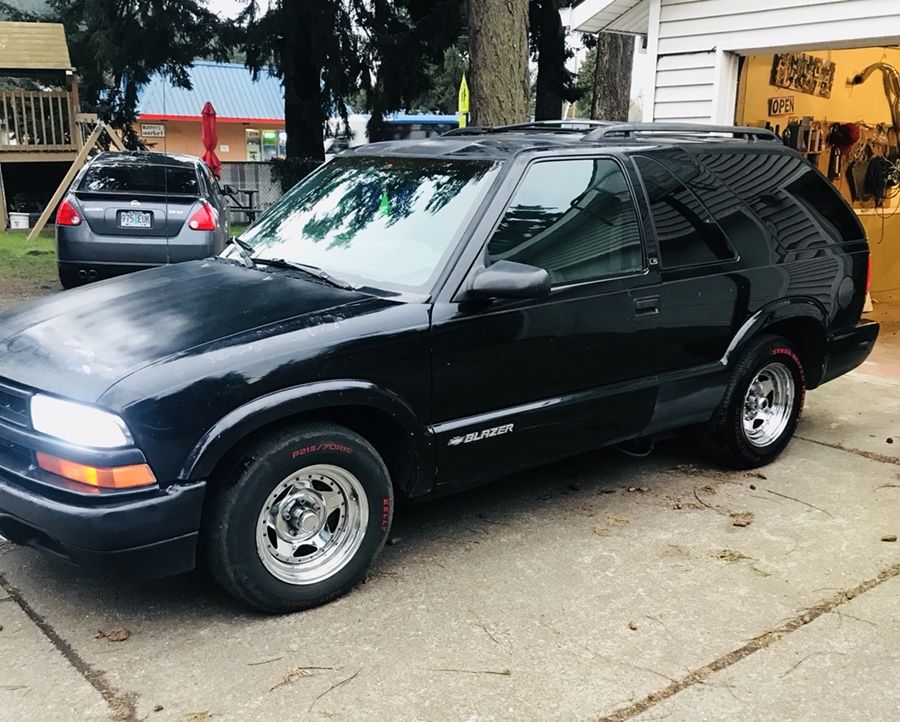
x,y
781,106
153,130
804,73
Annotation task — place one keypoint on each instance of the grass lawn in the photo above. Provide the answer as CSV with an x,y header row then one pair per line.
x,y
27,268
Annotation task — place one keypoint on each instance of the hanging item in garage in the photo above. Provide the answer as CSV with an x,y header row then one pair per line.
x,y
891,88
804,73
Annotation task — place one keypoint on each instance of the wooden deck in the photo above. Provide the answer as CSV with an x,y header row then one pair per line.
x,y
40,125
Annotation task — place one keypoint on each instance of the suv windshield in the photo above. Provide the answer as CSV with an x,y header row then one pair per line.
x,y
140,178
379,222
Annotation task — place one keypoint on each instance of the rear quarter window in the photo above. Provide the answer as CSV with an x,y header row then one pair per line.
x,y
687,234
786,193
140,178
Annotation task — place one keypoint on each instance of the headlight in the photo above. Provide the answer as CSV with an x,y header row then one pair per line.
x,y
78,424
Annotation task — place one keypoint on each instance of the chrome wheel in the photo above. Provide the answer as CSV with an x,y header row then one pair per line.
x,y
312,524
768,404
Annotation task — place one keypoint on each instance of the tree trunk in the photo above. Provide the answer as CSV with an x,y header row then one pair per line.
x,y
498,71
304,119
551,62
611,94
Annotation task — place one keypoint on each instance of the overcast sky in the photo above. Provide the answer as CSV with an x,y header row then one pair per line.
x,y
226,8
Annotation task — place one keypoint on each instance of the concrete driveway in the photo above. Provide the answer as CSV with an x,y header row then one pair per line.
x,y
606,587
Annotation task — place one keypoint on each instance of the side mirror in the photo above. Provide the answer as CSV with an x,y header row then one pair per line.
x,y
507,279
229,190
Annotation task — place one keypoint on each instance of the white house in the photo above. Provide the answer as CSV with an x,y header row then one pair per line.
x,y
695,46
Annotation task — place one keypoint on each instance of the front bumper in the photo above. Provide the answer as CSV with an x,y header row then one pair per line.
x,y
148,532
847,349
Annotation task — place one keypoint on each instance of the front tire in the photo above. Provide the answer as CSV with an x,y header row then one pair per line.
x,y
300,518
761,406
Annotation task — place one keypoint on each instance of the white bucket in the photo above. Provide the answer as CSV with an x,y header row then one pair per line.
x,y
18,221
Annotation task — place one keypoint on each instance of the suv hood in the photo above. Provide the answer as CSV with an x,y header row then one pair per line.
x,y
78,343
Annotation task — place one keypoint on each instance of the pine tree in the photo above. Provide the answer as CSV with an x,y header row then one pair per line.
x,y
314,48
498,61
605,76
555,83
118,45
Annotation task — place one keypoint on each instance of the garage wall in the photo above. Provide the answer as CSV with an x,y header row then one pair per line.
x,y
883,231
696,43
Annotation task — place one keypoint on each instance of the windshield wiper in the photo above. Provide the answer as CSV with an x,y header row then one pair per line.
x,y
314,271
244,249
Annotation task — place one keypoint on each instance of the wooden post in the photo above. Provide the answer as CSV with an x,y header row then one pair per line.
x,y
4,220
67,180
74,140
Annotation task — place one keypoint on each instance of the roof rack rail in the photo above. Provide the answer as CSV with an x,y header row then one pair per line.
x,y
567,125
630,130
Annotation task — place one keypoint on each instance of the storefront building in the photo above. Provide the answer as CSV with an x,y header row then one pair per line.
x,y
824,74
249,113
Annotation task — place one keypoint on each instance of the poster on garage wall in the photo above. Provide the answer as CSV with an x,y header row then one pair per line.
x,y
803,73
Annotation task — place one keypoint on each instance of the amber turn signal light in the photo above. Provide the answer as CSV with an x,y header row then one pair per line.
x,y
117,477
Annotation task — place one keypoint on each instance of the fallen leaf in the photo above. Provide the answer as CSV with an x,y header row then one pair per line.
x,y
730,556
157,708
632,625
741,518
755,475
119,634
889,538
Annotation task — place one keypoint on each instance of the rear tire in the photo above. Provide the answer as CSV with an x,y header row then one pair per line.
x,y
300,518
762,403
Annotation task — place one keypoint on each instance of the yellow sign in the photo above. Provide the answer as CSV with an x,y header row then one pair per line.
x,y
463,106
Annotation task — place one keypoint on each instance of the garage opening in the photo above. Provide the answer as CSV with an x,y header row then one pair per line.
x,y
841,109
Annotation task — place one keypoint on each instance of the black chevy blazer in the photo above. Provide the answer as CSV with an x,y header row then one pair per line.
x,y
417,316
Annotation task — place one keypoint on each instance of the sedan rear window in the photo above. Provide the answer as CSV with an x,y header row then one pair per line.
x,y
140,178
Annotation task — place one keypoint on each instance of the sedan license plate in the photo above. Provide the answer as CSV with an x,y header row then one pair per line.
x,y
134,219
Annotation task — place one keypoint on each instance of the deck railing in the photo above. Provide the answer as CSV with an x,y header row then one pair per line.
x,y
38,120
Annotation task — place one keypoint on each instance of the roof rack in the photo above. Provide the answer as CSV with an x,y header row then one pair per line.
x,y
573,125
710,132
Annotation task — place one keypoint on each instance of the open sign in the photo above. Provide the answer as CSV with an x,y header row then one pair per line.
x,y
781,106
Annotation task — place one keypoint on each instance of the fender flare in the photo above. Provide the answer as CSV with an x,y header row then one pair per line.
x,y
244,420
781,310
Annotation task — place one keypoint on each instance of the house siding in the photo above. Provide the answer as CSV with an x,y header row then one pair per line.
x,y
695,44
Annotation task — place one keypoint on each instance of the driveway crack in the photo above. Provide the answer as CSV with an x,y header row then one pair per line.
x,y
122,704
764,640
883,458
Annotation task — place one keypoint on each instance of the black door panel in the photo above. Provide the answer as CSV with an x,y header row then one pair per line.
x,y
532,380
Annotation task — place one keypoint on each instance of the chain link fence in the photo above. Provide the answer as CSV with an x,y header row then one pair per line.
x,y
251,176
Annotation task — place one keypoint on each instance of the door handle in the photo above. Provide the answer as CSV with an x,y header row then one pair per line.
x,y
648,306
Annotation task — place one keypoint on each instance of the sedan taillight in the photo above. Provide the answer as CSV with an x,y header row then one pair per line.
x,y
204,219
68,214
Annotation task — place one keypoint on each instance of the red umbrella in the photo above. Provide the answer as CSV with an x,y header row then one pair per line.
x,y
210,139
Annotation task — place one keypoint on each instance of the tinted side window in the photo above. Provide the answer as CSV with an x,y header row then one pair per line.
x,y
575,218
785,192
686,232
824,203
